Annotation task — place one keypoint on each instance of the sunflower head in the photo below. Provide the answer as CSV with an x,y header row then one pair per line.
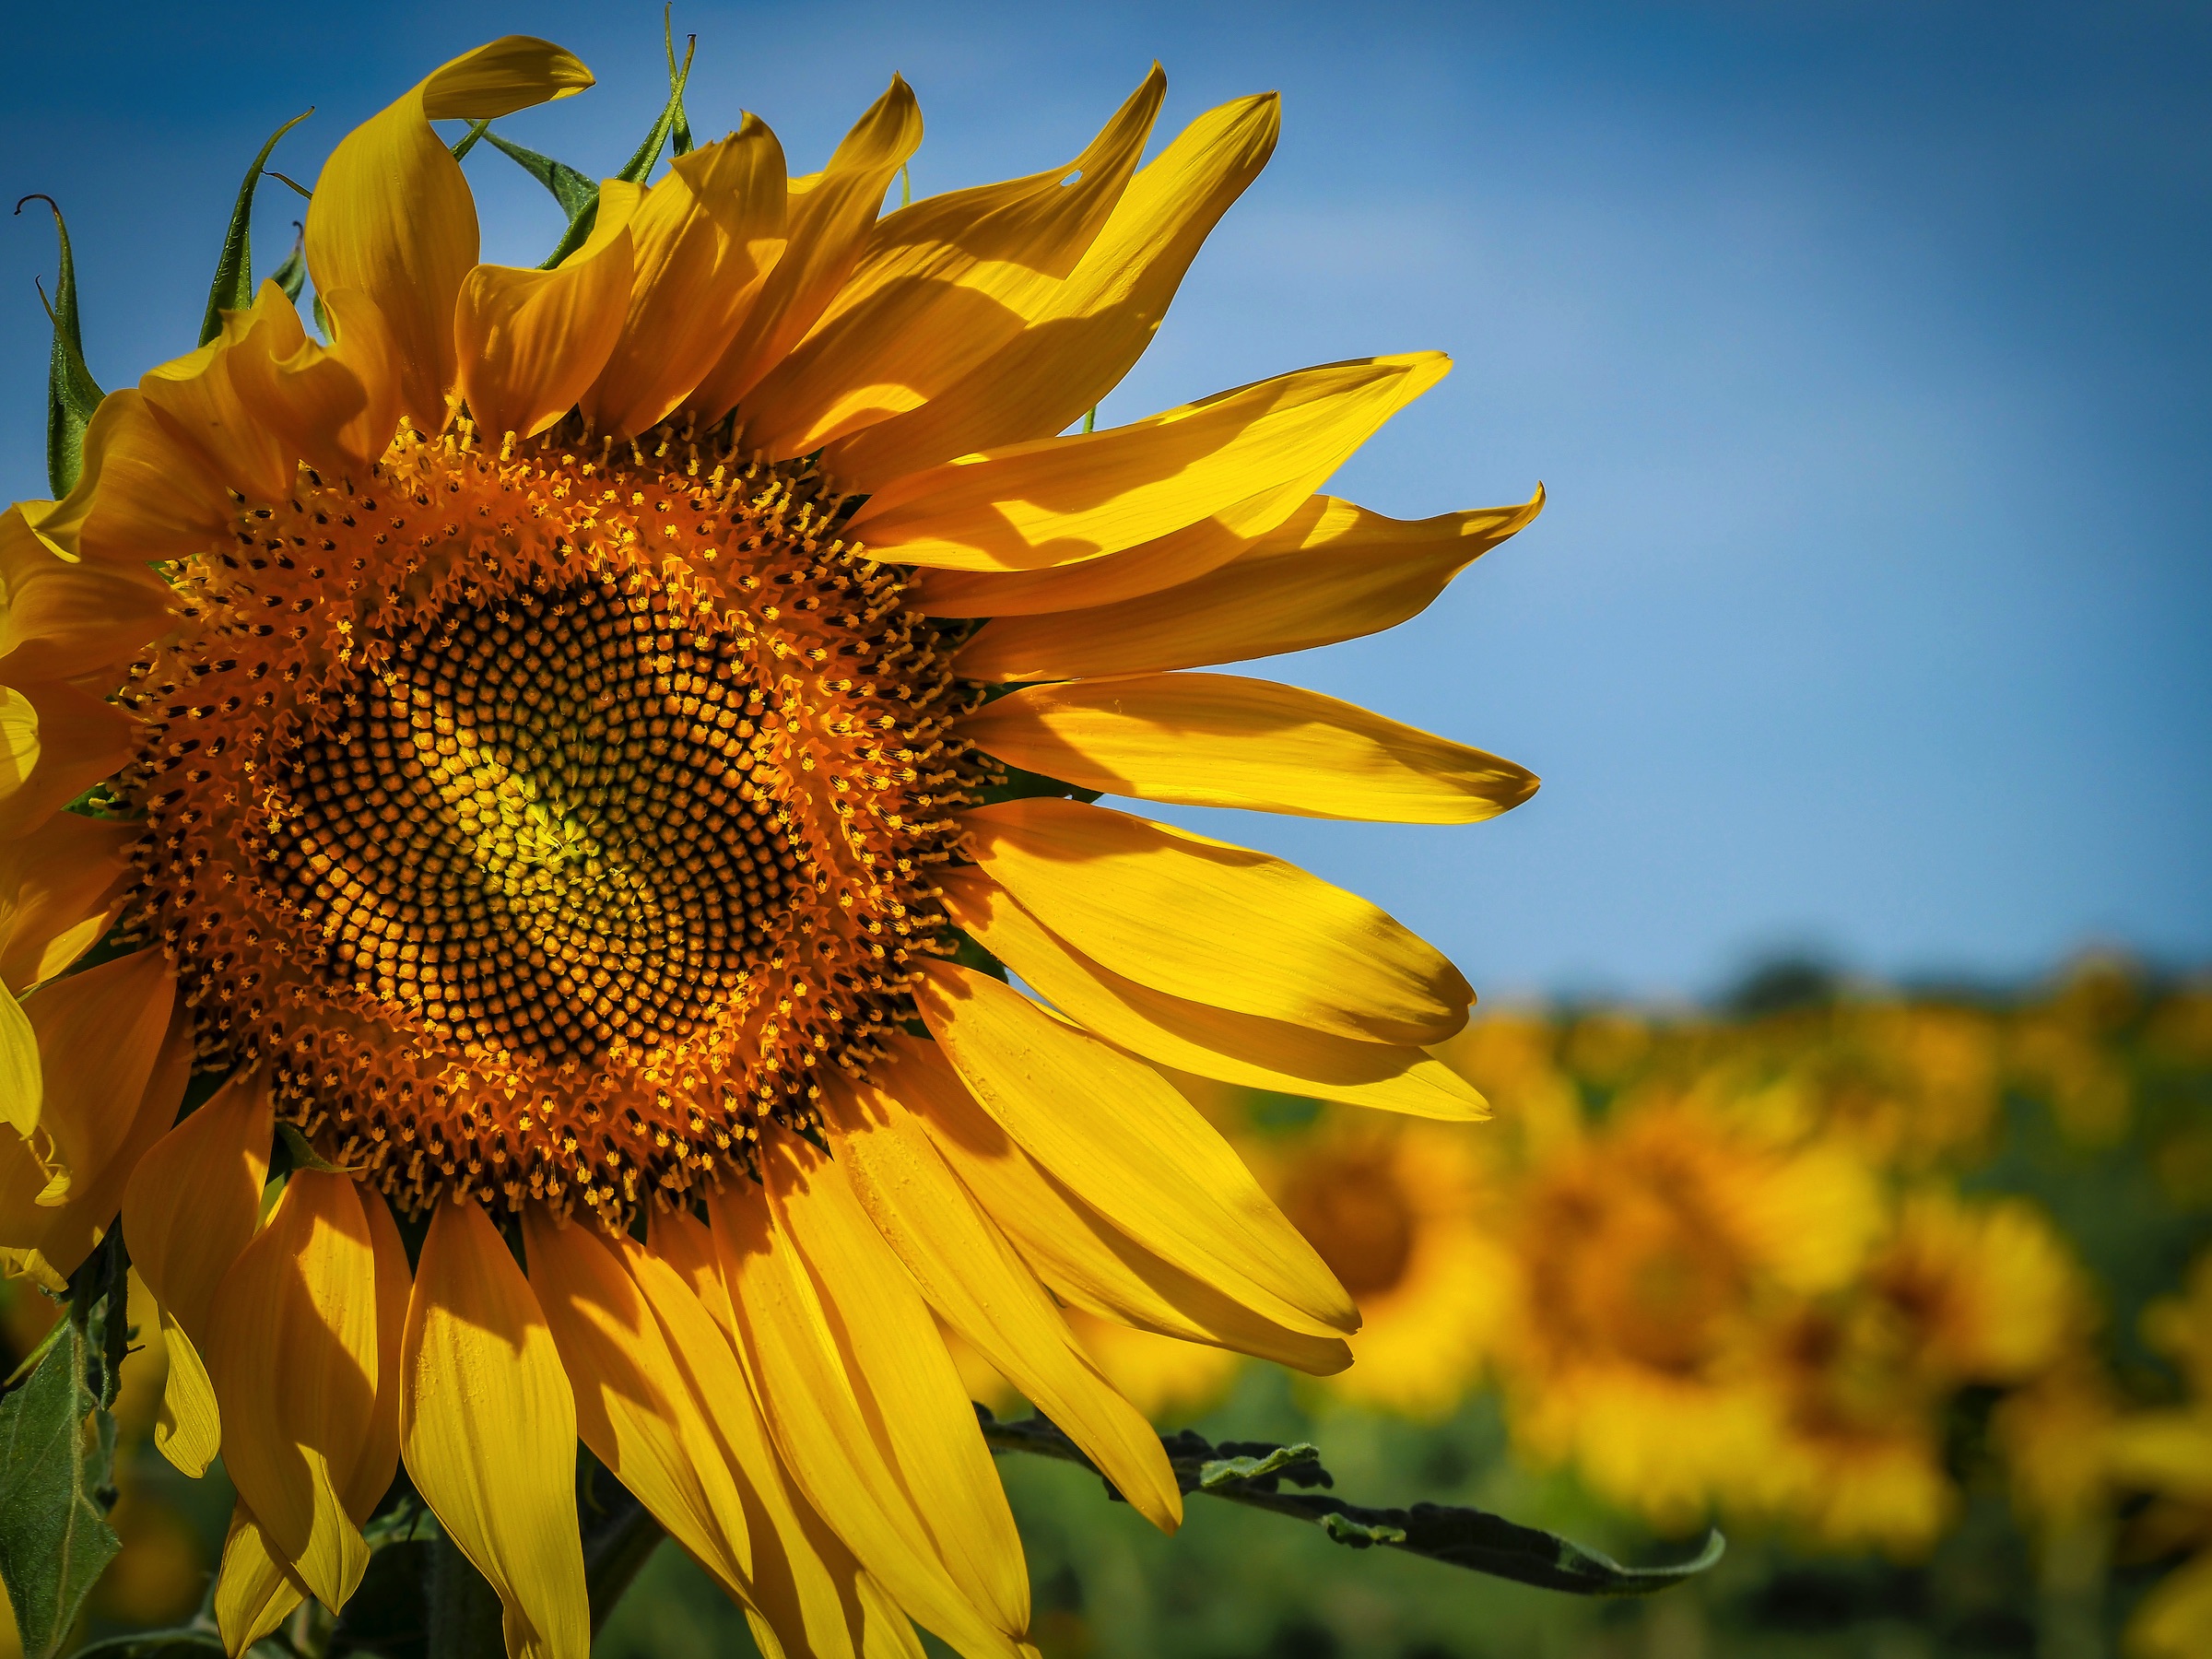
x,y
581,803
603,758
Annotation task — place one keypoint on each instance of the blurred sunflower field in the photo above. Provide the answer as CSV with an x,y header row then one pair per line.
x,y
1911,1294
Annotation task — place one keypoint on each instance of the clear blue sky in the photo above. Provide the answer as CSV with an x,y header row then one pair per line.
x,y
1862,347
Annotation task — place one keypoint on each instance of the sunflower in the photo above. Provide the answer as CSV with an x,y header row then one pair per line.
x,y
559,771
1958,1294
1652,1264
1399,1211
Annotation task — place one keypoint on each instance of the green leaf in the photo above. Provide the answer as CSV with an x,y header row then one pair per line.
x,y
233,287
1220,1471
1359,1535
71,392
55,1538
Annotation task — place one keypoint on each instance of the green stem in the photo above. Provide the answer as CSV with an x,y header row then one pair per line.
x,y
464,1611
615,1552
1253,1474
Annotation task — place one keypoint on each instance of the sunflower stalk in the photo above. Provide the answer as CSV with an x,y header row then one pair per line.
x,y
1253,1474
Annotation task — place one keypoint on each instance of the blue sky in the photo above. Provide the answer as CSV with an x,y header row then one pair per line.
x,y
1863,348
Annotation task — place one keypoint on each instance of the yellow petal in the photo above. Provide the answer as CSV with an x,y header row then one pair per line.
x,y
1059,500
22,1091
1210,923
804,1582
256,1589
188,1431
982,1289
1193,1037
195,401
906,1385
1121,1138
145,493
335,406
1085,333
115,1062
531,341
376,1459
487,1427
1087,1261
291,1347
391,214
65,879
1340,573
1166,562
60,621
634,1410
56,741
828,217
821,1430
942,285
194,1202
254,403
1221,740
97,1034
705,236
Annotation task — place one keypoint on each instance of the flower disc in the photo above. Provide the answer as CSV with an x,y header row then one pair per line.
x,y
562,851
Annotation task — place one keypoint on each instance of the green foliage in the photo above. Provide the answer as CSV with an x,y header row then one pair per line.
x,y
55,1467
184,1643
71,392
233,288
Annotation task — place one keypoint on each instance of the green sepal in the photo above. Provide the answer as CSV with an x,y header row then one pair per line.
x,y
304,1156
680,131
71,392
291,275
55,1537
1018,785
233,288
575,193
467,141
968,954
634,170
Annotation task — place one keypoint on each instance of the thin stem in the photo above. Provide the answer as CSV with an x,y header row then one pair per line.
x,y
464,1609
1251,1473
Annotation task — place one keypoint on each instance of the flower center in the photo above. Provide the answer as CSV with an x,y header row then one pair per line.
x,y
546,827
543,819
1358,1217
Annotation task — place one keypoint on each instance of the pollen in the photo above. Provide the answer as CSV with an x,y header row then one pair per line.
x,y
544,818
